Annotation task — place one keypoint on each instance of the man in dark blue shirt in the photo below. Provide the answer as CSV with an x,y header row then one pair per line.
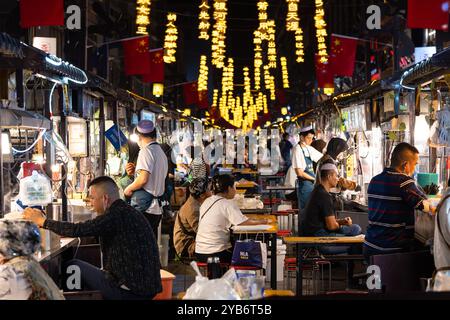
x,y
393,197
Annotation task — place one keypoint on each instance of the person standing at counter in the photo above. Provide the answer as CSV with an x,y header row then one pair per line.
x,y
335,148
147,189
303,157
392,198
130,257
218,214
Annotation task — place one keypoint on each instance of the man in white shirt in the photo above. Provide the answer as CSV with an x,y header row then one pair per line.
x,y
303,157
148,188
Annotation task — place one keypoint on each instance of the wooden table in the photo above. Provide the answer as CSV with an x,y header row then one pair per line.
x,y
278,188
308,242
272,236
245,171
256,211
246,185
278,293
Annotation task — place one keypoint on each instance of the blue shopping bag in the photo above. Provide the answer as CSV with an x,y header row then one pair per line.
x,y
247,253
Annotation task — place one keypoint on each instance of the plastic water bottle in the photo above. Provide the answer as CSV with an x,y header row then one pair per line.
x,y
213,268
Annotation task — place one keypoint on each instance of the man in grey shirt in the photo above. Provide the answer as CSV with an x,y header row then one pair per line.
x,y
148,188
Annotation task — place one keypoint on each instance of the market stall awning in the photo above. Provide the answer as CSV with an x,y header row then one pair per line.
x,y
433,67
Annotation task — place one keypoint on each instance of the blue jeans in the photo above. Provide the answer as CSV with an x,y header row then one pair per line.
x,y
304,189
95,279
343,231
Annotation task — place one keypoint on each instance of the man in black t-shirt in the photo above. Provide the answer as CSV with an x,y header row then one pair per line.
x,y
319,218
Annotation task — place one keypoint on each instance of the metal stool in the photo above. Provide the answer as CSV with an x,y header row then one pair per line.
x,y
315,266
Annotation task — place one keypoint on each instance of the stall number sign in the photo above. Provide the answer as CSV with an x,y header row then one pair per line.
x,y
116,137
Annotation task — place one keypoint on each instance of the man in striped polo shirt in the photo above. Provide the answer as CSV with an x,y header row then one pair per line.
x,y
393,196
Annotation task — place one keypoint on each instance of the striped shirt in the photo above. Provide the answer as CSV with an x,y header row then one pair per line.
x,y
393,197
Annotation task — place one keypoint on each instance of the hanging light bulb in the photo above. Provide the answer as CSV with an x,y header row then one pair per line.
x,y
158,89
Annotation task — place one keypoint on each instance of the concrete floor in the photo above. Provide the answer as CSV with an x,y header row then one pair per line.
x,y
185,276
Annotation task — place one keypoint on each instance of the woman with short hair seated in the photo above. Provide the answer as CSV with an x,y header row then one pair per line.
x,y
186,222
218,214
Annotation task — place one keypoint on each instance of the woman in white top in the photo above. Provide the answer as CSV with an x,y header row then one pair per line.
x,y
218,214
303,157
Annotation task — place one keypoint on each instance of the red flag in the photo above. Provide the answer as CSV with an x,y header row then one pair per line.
x,y
155,72
190,93
342,57
44,13
430,14
324,74
203,101
136,56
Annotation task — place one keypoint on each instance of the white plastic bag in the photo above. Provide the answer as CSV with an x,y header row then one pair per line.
x,y
216,289
440,281
35,190
263,254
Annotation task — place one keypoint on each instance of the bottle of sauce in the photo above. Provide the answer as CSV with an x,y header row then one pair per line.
x,y
213,268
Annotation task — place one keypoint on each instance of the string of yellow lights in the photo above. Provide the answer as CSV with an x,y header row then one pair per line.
x,y
293,25
203,75
142,16
271,46
204,17
321,31
170,40
218,47
258,59
284,72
